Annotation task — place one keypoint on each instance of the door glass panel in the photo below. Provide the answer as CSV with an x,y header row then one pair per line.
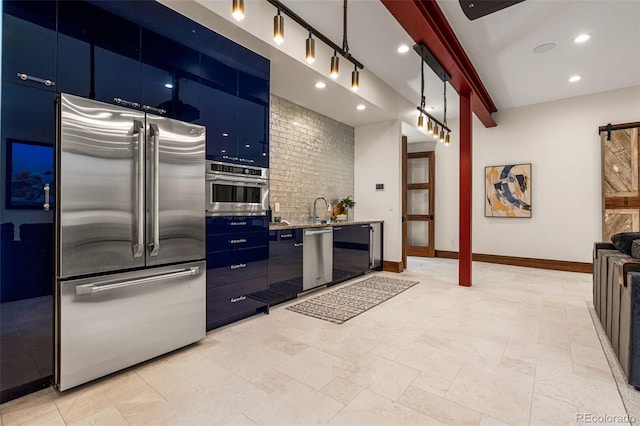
x,y
418,170
418,233
418,201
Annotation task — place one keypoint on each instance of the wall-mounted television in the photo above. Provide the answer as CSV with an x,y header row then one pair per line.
x,y
29,168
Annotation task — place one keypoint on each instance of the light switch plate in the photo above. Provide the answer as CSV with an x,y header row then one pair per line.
x,y
277,207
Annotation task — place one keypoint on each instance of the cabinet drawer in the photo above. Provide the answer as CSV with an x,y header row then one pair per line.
x,y
236,241
229,302
233,224
228,267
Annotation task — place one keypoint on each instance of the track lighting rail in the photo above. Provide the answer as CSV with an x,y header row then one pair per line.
x,y
304,24
432,118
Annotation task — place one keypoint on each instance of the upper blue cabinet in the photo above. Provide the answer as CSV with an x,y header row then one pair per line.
x,y
170,77
98,53
29,43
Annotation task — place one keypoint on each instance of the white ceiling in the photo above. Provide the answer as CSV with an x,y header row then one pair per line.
x,y
500,46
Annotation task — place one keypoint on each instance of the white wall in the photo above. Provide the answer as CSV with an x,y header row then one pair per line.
x,y
378,159
561,141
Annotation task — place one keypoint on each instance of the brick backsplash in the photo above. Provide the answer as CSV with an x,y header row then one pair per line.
x,y
311,156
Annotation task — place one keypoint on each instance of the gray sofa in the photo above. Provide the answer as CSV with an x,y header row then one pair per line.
x,y
616,299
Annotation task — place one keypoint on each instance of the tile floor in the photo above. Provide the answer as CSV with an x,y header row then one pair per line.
x,y
518,348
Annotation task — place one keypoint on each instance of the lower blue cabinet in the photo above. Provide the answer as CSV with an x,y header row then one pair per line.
x,y
350,251
285,264
237,257
231,302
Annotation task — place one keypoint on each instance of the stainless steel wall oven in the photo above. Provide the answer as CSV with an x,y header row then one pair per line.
x,y
233,190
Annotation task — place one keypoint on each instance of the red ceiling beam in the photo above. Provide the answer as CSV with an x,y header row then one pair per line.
x,y
424,21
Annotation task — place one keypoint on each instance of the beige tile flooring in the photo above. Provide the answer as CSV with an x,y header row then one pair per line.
x,y
519,348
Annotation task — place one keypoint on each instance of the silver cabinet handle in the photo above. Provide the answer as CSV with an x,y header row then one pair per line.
x,y
47,189
25,77
114,284
298,245
138,247
154,247
125,102
154,109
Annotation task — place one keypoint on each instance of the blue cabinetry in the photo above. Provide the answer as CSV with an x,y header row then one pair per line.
x,y
98,53
26,240
285,264
29,42
170,77
237,257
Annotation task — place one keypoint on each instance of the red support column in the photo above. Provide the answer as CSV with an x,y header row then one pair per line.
x,y
464,256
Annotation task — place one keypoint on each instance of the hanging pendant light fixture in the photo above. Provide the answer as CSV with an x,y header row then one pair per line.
x,y
311,49
278,36
355,79
335,64
237,10
442,137
278,28
422,98
430,127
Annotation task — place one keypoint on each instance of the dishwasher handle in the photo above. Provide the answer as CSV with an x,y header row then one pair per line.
x,y
110,285
324,231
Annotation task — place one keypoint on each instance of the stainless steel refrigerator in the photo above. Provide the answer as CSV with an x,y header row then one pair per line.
x,y
130,238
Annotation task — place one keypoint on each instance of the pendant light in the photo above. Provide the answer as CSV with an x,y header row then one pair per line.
x,y
430,127
355,79
335,64
278,28
311,49
237,10
444,139
422,99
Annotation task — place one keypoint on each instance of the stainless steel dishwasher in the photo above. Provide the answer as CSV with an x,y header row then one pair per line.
x,y
317,257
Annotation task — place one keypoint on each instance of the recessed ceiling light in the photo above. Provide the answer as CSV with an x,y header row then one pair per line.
x,y
360,107
403,48
582,38
321,85
168,85
575,78
544,48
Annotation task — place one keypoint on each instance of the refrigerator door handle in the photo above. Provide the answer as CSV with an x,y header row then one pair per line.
x,y
111,285
138,247
154,246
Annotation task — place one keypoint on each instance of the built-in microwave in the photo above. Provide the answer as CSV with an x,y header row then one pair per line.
x,y
235,190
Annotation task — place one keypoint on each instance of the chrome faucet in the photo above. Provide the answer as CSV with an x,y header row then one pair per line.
x,y
315,217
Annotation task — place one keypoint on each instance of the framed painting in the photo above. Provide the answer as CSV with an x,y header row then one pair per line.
x,y
508,190
29,167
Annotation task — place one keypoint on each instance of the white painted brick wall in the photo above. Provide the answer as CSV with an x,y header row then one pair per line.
x,y
311,156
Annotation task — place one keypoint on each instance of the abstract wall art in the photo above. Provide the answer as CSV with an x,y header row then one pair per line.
x,y
508,190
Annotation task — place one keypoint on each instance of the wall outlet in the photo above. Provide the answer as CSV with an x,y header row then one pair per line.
x,y
277,207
